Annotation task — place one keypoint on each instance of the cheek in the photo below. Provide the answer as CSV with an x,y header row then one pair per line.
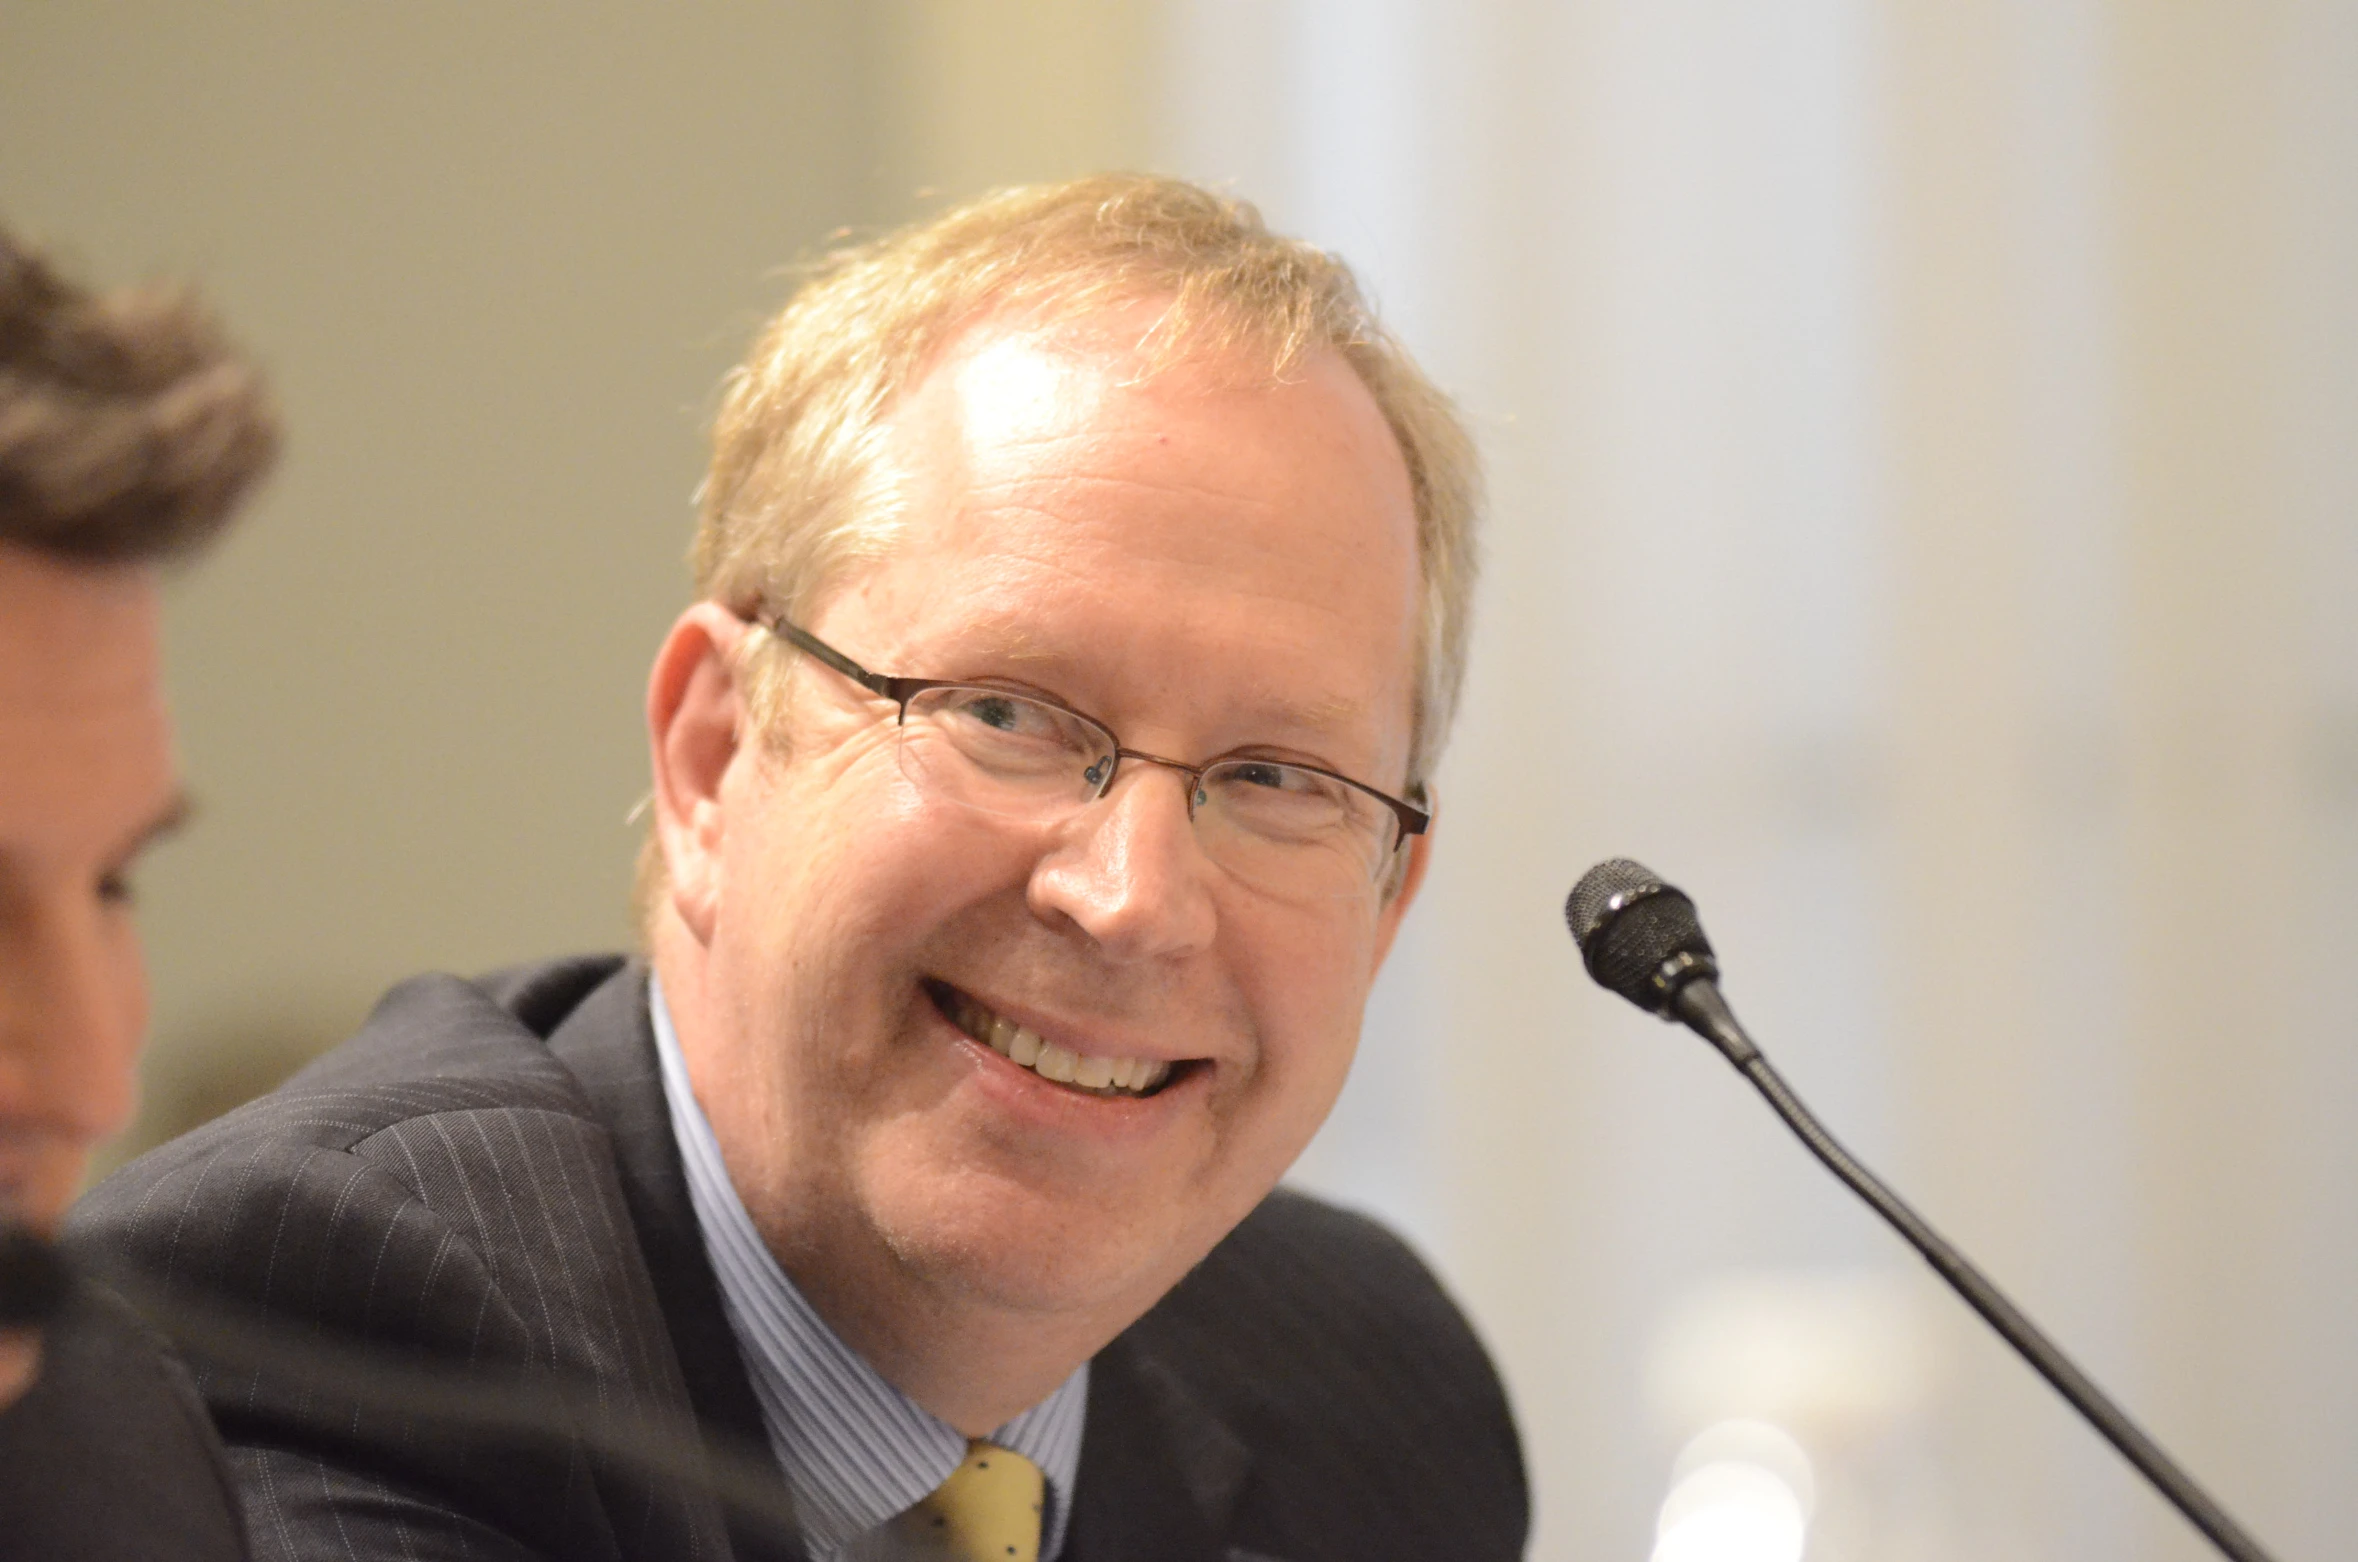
x,y
1309,995
852,887
73,1012
836,886
805,839
130,981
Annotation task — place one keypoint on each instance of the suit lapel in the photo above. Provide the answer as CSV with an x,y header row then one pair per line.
x,y
609,1043
1160,1473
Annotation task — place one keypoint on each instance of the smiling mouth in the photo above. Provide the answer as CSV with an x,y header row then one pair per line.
x,y
1118,1078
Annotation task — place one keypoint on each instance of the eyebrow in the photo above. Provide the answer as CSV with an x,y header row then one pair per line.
x,y
1321,717
1317,719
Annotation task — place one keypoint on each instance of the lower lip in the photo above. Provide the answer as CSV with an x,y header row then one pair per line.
x,y
1013,1088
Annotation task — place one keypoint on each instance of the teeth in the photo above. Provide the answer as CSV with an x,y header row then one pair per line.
x,y
1011,1041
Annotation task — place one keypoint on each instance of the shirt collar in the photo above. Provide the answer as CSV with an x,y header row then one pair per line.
x,y
855,1450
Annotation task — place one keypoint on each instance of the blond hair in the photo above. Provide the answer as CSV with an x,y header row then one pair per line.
x,y
799,490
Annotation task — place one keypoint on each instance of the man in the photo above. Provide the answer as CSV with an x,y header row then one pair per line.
x,y
127,432
932,1146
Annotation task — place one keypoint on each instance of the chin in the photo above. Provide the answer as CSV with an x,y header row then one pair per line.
x,y
1010,1251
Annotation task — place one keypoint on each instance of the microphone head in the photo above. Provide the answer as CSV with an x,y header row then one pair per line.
x,y
1638,936
34,1278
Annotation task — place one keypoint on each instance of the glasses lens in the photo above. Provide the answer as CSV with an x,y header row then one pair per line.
x,y
1292,832
1002,753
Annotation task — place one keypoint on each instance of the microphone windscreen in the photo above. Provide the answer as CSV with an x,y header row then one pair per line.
x,y
1628,924
1593,898
34,1279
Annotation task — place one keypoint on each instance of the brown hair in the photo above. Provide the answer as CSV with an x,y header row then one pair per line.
x,y
128,427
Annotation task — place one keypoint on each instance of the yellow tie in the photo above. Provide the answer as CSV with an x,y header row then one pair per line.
x,y
987,1511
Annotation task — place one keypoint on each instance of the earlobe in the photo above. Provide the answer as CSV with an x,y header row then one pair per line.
x,y
694,717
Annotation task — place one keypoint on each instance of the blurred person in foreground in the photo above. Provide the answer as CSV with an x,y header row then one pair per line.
x,y
128,431
1039,780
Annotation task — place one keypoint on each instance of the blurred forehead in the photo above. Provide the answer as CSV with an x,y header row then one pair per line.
x,y
73,637
82,728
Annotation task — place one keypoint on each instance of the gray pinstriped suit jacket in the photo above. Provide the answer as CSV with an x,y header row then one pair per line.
x,y
485,1175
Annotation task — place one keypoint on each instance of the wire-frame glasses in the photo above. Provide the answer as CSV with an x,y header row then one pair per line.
x,y
1289,830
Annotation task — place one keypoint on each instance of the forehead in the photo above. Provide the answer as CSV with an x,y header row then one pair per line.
x,y
1071,505
1038,451
84,746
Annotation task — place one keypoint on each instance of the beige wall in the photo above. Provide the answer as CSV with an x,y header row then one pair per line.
x,y
1920,437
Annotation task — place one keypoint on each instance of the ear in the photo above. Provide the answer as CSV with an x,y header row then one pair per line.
x,y
1412,875
695,717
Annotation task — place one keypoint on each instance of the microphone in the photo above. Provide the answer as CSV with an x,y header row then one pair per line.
x,y
1641,938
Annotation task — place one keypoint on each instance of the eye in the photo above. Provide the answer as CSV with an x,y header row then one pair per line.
x,y
1282,801
1265,773
1010,734
1011,714
991,712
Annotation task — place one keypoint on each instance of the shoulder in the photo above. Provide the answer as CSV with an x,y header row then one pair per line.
x,y
433,1046
1332,1352
423,1161
444,1189
439,1043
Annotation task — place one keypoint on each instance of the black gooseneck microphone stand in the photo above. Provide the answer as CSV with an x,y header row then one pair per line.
x,y
1641,938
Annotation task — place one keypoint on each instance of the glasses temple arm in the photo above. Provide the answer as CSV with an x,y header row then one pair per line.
x,y
803,640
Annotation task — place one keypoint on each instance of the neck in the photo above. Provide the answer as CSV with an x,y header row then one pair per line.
x,y
974,1365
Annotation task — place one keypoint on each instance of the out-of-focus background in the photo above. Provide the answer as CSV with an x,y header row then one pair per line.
x,y
1925,452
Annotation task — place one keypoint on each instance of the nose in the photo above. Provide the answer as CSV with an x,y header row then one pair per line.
x,y
73,1002
1127,870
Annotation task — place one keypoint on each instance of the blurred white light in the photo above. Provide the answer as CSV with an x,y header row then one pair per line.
x,y
1742,1493
1824,1349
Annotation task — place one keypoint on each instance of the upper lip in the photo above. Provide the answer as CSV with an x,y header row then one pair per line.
x,y
1087,1038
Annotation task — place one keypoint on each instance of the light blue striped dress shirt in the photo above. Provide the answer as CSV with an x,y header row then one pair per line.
x,y
856,1450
